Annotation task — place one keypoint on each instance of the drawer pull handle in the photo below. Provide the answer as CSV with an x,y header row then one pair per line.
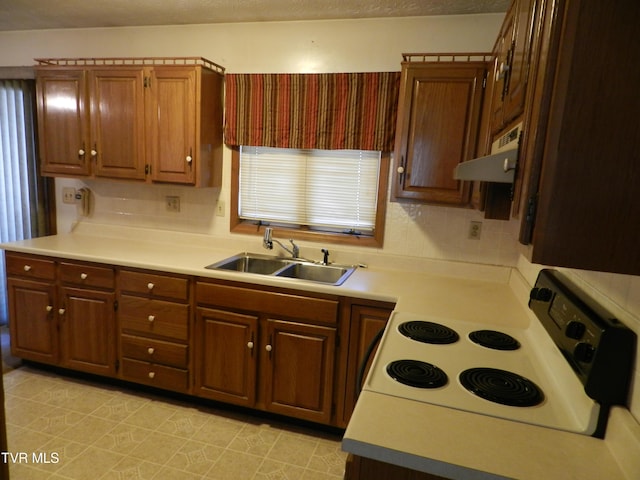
x,y
151,318
150,350
83,276
249,344
49,308
27,268
150,286
268,348
61,311
152,374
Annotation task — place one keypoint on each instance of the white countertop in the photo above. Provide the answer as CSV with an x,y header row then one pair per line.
x,y
429,438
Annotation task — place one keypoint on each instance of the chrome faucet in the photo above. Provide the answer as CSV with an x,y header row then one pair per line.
x,y
267,242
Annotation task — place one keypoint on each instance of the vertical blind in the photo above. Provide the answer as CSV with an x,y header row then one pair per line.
x,y
18,179
332,111
334,189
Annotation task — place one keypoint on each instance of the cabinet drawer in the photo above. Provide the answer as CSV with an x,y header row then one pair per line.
x,y
155,375
317,310
87,275
30,267
157,351
154,317
154,285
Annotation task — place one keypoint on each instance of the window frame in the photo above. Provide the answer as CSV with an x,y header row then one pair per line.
x,y
250,227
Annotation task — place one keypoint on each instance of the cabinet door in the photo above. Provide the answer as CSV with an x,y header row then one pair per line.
x,y
438,118
63,126
33,322
513,55
501,69
172,124
298,369
520,55
365,324
226,356
87,330
117,122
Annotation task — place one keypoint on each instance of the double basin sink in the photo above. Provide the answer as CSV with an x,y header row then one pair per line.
x,y
284,267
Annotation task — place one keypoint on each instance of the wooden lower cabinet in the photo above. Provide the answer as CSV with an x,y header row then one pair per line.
x,y
299,369
86,314
266,349
278,350
362,468
154,316
62,313
33,323
367,319
226,356
87,331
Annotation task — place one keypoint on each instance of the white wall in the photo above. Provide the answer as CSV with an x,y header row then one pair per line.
x,y
302,47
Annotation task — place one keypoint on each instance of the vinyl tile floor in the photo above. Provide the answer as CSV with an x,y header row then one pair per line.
x,y
68,428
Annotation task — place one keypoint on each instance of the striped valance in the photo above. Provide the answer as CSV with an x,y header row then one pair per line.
x,y
330,111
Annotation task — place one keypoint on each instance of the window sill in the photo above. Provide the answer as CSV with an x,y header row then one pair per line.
x,y
250,228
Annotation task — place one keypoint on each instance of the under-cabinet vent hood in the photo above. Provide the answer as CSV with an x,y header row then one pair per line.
x,y
498,167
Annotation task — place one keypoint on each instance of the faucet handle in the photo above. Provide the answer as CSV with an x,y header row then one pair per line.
x,y
267,241
295,249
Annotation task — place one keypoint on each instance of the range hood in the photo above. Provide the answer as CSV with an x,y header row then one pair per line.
x,y
498,167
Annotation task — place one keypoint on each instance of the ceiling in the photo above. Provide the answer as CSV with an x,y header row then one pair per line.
x,y
48,14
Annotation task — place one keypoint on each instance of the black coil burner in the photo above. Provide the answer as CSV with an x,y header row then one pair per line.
x,y
417,374
494,339
501,386
428,332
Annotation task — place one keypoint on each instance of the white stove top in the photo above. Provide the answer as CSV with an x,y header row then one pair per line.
x,y
565,406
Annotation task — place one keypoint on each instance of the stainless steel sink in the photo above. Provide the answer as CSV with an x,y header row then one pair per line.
x,y
334,275
284,267
251,263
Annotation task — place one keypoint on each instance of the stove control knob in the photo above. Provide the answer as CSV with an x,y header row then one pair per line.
x,y
584,352
575,330
541,294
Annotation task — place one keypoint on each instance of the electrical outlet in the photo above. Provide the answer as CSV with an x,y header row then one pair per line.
x,y
68,195
475,229
220,208
172,203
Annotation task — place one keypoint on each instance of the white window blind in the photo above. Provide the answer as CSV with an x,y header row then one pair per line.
x,y
322,189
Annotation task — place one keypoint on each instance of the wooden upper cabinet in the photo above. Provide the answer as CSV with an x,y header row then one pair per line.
x,y
154,120
185,125
512,61
63,122
580,206
437,128
172,122
117,122
524,25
